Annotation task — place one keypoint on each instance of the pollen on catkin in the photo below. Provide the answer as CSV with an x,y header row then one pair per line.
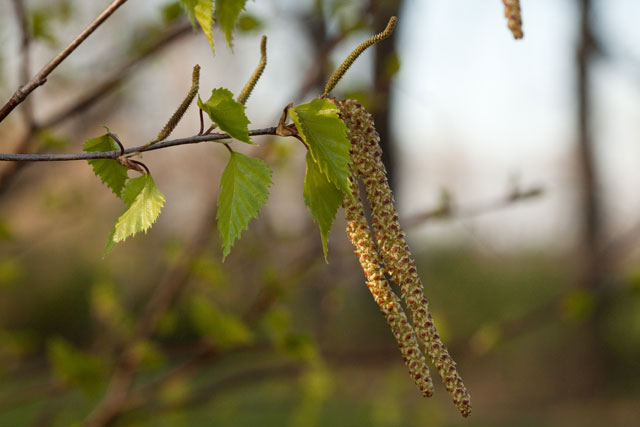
x,y
389,303
514,18
393,248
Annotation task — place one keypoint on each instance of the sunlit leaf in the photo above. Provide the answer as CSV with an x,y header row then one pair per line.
x,y
326,136
244,188
227,113
109,171
202,12
144,202
322,198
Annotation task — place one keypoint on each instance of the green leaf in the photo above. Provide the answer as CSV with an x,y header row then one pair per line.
x,y
144,202
244,188
75,367
322,198
227,113
226,330
202,12
170,12
190,7
326,136
247,23
227,12
109,171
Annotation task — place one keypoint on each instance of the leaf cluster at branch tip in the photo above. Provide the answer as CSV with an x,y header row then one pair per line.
x,y
326,181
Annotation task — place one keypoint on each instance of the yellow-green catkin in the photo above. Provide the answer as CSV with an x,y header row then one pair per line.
x,y
337,75
514,18
175,117
389,303
392,246
248,88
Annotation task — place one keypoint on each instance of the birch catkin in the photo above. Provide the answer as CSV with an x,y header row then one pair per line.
x,y
514,17
392,246
387,300
182,108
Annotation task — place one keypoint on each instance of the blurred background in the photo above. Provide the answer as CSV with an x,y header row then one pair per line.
x,y
515,166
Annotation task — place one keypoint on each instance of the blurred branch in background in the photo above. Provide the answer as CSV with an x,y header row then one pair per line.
x,y
121,73
164,294
41,78
447,209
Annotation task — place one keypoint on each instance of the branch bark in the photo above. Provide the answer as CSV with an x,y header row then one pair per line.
x,y
41,78
139,149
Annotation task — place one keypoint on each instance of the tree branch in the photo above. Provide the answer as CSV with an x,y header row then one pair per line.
x,y
115,154
41,78
448,210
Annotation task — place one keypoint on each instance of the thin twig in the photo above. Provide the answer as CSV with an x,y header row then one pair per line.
x,y
41,78
115,154
449,210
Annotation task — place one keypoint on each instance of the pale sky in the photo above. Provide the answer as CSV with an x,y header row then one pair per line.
x,y
473,106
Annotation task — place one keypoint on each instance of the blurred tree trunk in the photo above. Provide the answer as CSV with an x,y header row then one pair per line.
x,y
385,52
592,222
594,269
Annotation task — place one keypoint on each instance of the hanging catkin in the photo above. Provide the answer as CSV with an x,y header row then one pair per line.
x,y
514,17
387,300
395,253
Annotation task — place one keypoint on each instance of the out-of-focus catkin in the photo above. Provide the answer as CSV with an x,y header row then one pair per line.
x,y
514,18
389,303
392,246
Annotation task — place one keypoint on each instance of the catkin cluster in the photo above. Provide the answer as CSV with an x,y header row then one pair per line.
x,y
514,18
392,250
387,300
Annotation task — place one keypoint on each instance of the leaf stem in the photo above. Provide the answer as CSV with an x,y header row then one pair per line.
x,y
201,121
142,165
115,138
